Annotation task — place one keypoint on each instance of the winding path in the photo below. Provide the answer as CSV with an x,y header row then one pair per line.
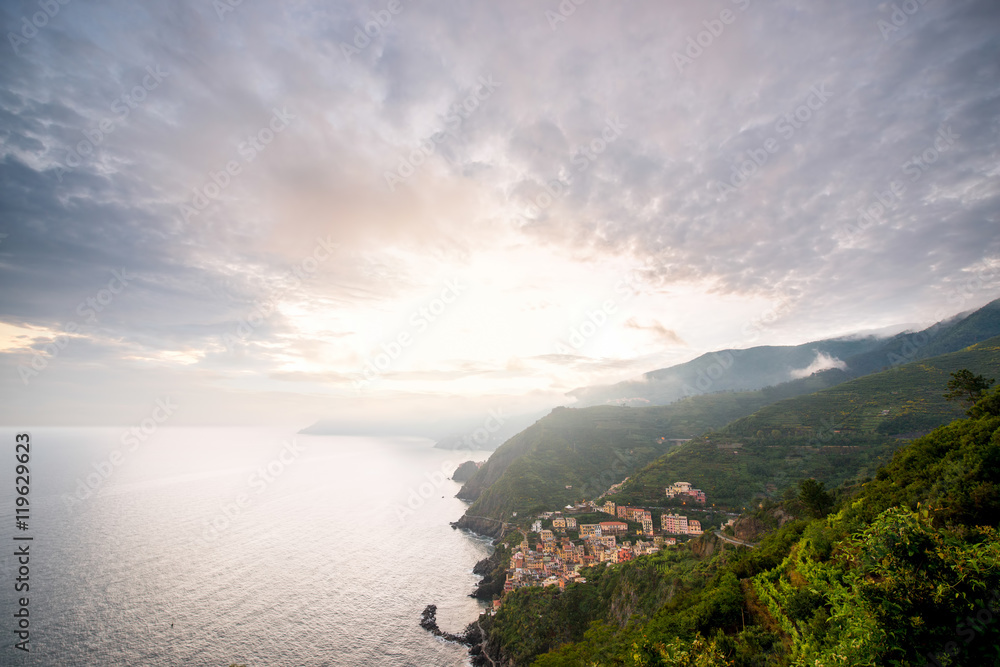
x,y
733,540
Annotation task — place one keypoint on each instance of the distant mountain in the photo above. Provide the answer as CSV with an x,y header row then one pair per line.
x,y
834,360
728,370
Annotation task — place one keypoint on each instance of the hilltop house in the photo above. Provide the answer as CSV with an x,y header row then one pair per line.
x,y
685,489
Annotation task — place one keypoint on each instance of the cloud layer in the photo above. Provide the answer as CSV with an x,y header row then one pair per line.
x,y
289,185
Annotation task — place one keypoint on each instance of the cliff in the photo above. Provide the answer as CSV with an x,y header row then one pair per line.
x,y
465,471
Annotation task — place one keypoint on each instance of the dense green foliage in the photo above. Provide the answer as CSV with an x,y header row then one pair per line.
x,y
906,571
834,435
863,404
966,387
815,499
588,450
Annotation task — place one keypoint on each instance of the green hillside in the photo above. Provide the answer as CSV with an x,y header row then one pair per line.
x,y
833,435
589,449
903,572
904,399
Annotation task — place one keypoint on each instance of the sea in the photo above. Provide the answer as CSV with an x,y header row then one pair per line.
x,y
232,546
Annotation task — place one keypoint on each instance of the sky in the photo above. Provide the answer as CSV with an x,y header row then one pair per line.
x,y
374,211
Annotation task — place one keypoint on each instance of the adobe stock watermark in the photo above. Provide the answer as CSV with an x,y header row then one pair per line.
x,y
967,631
584,155
958,296
723,361
262,310
457,114
248,150
753,329
29,28
130,440
714,28
565,9
887,200
419,322
223,7
258,482
88,309
363,35
826,431
786,126
122,107
898,17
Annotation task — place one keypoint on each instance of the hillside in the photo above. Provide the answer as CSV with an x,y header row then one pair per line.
x,y
587,449
778,366
903,572
901,400
833,435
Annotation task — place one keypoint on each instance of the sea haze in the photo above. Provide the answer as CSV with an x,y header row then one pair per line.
x,y
329,561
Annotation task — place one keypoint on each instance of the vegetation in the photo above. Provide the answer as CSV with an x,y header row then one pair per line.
x,y
905,571
966,387
835,435
813,496
572,455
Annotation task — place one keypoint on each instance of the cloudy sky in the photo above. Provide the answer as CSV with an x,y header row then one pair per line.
x,y
277,212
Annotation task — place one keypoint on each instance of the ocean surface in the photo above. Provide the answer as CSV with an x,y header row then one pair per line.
x,y
216,546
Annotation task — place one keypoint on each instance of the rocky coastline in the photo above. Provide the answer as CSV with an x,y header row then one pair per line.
x,y
479,525
472,636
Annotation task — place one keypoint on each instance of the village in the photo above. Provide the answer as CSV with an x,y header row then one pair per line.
x,y
565,544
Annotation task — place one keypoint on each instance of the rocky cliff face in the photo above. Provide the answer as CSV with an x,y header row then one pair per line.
x,y
705,545
480,526
465,471
752,528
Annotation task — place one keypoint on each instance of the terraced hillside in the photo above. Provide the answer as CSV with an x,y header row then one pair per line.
x,y
833,435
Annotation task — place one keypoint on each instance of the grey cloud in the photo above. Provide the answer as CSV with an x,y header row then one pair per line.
x,y
650,197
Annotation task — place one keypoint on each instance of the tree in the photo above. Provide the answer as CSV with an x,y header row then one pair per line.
x,y
814,498
987,406
966,387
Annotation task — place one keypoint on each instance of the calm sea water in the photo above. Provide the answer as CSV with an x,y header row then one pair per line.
x,y
219,546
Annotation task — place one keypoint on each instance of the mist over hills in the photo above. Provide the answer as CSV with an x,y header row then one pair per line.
x,y
834,360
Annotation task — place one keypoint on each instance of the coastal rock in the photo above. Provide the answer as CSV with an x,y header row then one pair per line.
x,y
479,525
465,471
472,636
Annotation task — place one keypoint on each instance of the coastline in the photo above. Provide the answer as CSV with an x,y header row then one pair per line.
x,y
489,585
